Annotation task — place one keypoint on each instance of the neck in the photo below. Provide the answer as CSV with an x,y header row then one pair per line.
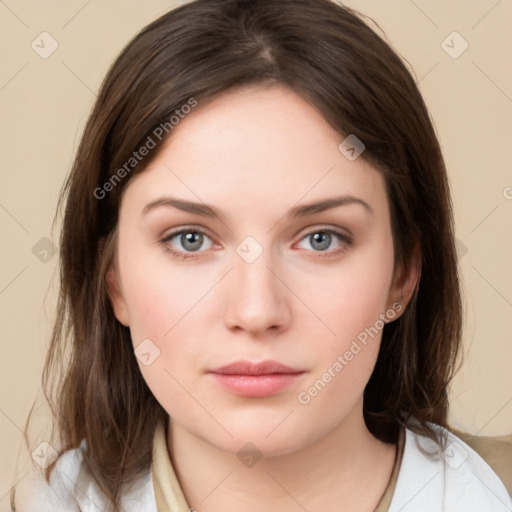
x,y
346,469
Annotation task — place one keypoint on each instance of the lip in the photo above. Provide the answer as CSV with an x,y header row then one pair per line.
x,y
247,368
248,379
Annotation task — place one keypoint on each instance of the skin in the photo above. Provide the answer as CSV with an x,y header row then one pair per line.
x,y
254,154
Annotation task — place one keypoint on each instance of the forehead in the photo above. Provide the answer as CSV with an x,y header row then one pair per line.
x,y
256,148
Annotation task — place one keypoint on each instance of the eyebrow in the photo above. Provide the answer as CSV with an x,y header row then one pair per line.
x,y
304,210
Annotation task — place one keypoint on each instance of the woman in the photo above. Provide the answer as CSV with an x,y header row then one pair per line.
x,y
259,279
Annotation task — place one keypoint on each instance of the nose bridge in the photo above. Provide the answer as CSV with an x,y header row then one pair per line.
x,y
257,299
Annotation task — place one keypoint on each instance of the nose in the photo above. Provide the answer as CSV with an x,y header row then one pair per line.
x,y
256,300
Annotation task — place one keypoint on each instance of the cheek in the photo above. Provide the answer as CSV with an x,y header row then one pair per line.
x,y
159,295
164,306
351,304
167,306
350,299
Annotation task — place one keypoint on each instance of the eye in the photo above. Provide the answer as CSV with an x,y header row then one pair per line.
x,y
184,241
322,239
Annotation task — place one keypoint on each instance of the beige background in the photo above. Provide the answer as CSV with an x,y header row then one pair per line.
x,y
44,104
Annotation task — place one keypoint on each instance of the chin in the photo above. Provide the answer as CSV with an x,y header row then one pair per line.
x,y
253,439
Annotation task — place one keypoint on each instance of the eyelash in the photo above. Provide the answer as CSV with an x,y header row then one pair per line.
x,y
345,239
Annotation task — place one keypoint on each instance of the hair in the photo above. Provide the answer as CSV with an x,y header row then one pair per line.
x,y
329,55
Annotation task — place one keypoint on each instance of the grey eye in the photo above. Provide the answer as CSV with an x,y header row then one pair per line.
x,y
191,240
320,240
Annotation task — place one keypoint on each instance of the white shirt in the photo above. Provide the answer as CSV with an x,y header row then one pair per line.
x,y
457,480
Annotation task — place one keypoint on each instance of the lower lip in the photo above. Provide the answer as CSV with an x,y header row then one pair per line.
x,y
257,385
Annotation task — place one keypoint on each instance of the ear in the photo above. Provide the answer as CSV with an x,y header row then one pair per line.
x,y
116,296
406,280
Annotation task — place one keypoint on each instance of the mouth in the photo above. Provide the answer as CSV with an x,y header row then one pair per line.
x,y
248,379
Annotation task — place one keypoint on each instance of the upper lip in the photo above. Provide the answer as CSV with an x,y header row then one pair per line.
x,y
248,368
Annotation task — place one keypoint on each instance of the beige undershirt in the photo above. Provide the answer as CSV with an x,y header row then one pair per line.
x,y
169,495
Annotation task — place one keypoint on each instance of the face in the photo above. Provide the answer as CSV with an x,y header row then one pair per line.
x,y
253,272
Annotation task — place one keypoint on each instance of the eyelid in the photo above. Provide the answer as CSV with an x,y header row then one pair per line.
x,y
186,228
344,233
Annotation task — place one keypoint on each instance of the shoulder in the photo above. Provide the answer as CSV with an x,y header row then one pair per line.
x,y
455,479
72,488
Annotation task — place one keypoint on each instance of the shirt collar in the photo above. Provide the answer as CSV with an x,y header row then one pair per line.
x,y
168,493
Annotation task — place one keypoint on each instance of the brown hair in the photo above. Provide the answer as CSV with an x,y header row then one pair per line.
x,y
326,53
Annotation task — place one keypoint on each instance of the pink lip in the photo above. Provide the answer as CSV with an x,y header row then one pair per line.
x,y
248,368
256,379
